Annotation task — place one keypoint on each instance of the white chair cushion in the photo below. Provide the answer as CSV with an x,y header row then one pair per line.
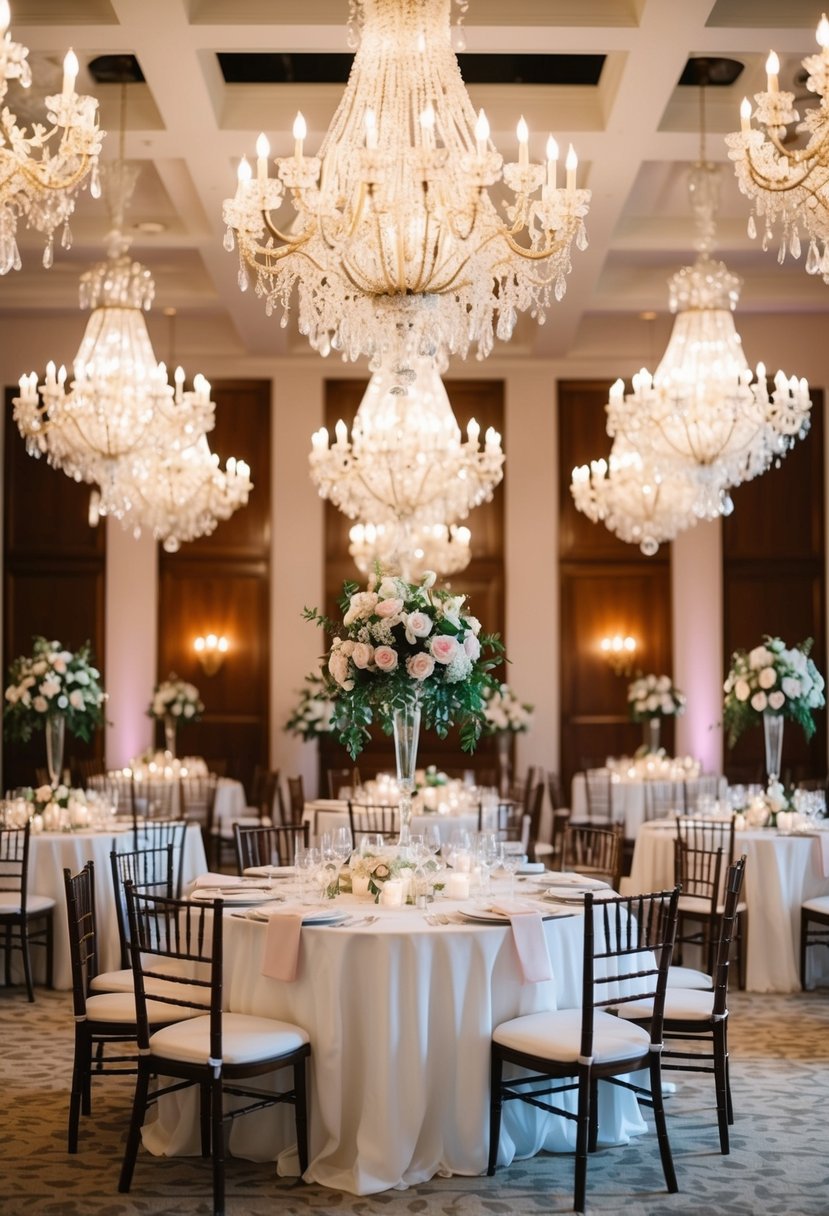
x,y
225,830
696,903
688,977
245,1039
122,981
556,1035
113,981
681,1004
820,904
542,849
120,1007
10,902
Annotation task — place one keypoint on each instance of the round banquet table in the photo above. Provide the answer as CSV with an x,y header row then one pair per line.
x,y
400,1016
51,852
781,872
627,800
328,814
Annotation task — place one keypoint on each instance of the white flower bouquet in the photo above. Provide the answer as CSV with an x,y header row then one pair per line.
x,y
313,714
176,698
772,678
399,643
503,711
653,696
53,681
61,808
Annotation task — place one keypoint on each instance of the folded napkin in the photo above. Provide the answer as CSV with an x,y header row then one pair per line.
x,y
217,880
822,846
530,940
280,959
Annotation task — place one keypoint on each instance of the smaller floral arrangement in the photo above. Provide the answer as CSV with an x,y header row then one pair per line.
x,y
313,714
53,681
430,777
772,678
378,868
763,809
176,698
653,696
59,809
400,643
503,711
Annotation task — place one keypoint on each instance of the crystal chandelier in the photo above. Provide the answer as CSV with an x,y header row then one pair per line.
x,y
411,550
393,223
405,461
700,412
42,170
788,185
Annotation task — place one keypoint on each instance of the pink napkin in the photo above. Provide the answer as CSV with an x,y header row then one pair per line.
x,y
281,956
530,940
822,845
217,880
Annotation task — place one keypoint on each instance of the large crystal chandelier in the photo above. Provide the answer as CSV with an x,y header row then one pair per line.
x,y
406,461
42,170
411,549
393,223
788,185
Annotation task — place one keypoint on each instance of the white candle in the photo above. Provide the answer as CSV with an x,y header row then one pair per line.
x,y
473,430
243,176
571,164
457,886
523,133
263,151
5,16
300,131
463,862
772,68
70,72
552,161
745,116
392,896
481,134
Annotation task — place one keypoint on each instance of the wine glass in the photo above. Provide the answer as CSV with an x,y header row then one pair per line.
x,y
487,852
342,844
511,862
308,862
431,836
371,843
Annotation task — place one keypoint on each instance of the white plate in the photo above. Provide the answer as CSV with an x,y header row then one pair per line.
x,y
562,895
238,897
483,917
323,916
573,882
270,872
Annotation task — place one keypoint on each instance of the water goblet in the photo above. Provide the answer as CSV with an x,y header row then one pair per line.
x,y
371,843
511,862
308,862
431,836
342,844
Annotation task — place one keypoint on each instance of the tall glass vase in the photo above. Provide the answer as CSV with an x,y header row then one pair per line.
x,y
55,737
773,738
650,734
170,735
406,723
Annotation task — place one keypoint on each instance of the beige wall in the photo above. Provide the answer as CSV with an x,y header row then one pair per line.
x,y
607,346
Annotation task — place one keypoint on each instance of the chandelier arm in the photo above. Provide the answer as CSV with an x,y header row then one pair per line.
x,y
774,186
29,171
290,241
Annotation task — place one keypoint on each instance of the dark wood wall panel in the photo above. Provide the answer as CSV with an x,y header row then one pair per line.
x,y
482,581
607,587
54,580
774,583
221,584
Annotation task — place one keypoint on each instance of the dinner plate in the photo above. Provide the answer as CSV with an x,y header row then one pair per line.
x,y
270,872
567,895
572,882
483,916
322,916
239,897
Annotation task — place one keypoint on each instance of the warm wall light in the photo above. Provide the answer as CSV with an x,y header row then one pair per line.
x,y
211,651
619,652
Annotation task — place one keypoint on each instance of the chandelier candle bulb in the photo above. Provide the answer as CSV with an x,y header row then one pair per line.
x,y
772,69
473,431
5,16
481,134
552,162
263,151
179,379
745,116
522,131
300,131
70,73
571,165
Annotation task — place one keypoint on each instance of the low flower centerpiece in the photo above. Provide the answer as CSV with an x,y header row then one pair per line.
x,y
401,652
505,716
175,701
770,683
650,699
55,690
58,809
313,714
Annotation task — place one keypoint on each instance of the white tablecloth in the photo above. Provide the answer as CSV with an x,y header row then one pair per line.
x,y
400,1016
627,801
781,872
51,852
327,814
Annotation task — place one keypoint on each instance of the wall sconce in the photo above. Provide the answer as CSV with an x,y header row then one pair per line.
x,y
619,652
211,651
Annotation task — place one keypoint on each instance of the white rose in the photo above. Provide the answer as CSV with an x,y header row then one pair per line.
x,y
473,623
175,710
50,687
776,699
418,625
663,684
361,605
767,677
40,704
652,702
43,793
76,699
189,710
338,666
791,686
741,690
362,654
472,646
759,701
760,656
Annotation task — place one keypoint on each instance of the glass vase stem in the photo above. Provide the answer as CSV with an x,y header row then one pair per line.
x,y
773,739
55,738
406,723
170,735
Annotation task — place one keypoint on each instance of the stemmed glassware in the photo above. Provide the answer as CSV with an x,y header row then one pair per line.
x,y
488,850
511,862
308,863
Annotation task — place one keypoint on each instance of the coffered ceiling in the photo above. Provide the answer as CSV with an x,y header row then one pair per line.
x,y
636,131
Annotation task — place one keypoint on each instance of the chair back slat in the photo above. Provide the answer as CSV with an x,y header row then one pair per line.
x,y
733,888
14,862
83,932
700,873
267,846
593,851
151,870
382,818
707,834
598,788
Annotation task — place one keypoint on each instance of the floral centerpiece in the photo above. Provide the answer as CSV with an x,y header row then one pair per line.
x,y
401,643
175,701
55,689
772,679
653,696
58,808
313,714
504,712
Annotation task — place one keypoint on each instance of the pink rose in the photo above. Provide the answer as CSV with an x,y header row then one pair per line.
x,y
472,646
362,654
420,666
418,625
385,658
338,666
444,648
387,608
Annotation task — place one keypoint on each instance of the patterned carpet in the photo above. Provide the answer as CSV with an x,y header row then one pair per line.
x,y
778,1165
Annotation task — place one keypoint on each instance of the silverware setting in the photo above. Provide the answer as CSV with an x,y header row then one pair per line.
x,y
353,920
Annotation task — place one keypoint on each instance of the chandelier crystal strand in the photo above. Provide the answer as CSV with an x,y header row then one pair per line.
x,y
393,220
43,169
700,410
411,550
788,185
406,460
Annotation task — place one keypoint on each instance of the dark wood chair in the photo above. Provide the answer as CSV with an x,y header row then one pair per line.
x,y
378,817
339,779
152,870
82,770
814,930
704,833
701,874
296,798
594,851
269,846
664,799
598,788
26,919
627,949
696,1018
218,1052
264,810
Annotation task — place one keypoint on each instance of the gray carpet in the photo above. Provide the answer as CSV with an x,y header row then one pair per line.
x,y
778,1165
